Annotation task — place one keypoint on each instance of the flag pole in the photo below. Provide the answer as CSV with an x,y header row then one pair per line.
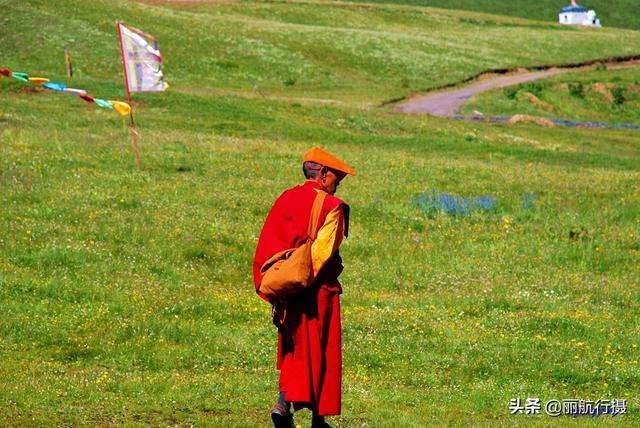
x,y
134,132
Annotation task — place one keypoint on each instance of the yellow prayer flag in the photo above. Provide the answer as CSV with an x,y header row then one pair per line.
x,y
121,107
38,80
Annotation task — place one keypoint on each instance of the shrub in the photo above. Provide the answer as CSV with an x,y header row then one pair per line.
x,y
618,96
576,89
511,92
533,87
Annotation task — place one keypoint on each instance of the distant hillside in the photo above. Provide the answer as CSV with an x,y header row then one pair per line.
x,y
612,13
324,50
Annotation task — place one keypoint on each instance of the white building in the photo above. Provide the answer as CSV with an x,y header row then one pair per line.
x,y
578,15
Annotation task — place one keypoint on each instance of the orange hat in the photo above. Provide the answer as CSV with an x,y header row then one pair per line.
x,y
321,157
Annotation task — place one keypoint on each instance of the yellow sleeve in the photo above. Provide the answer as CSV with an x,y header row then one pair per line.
x,y
328,240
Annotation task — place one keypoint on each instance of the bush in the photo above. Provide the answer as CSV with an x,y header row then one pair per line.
x,y
618,96
511,92
576,89
534,88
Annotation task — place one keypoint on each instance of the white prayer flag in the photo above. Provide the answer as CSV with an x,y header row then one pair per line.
x,y
141,59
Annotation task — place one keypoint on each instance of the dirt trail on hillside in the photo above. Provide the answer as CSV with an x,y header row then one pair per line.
x,y
446,103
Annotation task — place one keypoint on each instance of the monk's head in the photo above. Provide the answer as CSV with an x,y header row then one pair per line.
x,y
325,169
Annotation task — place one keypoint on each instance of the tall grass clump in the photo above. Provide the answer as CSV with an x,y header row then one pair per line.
x,y
529,201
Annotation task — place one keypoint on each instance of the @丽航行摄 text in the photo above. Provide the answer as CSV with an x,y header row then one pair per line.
x,y
568,407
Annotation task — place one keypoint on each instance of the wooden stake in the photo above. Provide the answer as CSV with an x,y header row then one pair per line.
x,y
134,138
67,60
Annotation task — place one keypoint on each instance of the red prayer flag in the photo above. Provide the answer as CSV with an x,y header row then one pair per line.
x,y
87,98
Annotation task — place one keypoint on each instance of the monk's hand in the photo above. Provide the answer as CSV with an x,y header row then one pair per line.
x,y
277,311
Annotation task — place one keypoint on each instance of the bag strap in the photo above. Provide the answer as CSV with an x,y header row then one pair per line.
x,y
315,214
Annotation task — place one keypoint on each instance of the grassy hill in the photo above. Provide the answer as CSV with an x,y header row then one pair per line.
x,y
345,51
126,297
616,13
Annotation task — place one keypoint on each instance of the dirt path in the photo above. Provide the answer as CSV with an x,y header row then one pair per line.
x,y
446,103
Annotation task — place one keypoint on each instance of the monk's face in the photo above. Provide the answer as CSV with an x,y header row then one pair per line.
x,y
330,180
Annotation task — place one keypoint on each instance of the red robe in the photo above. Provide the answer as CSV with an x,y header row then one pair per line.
x,y
309,340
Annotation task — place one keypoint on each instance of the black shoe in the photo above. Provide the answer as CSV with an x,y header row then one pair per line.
x,y
281,417
318,422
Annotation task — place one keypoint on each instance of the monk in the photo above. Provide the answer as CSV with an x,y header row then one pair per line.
x,y
309,334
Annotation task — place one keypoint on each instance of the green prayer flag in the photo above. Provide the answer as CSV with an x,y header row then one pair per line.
x,y
20,76
103,103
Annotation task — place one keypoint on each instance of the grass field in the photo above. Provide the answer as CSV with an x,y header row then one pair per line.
x,y
600,96
127,298
616,13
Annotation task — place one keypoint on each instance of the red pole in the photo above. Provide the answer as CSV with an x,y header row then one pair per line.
x,y
134,132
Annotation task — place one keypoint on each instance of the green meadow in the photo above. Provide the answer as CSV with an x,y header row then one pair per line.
x,y
127,297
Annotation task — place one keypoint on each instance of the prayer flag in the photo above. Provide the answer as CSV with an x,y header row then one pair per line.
x,y
73,91
38,80
87,98
54,86
120,106
103,103
20,76
141,59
